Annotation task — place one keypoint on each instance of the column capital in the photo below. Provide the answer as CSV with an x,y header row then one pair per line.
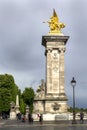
x,y
48,50
62,50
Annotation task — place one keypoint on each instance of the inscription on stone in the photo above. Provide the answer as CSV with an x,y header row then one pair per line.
x,y
61,117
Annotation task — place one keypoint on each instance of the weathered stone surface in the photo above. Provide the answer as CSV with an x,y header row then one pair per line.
x,y
53,98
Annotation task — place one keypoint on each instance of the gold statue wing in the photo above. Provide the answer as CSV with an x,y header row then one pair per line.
x,y
55,16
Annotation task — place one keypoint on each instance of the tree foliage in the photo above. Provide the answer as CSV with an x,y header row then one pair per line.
x,y
5,98
21,103
8,91
77,109
28,97
22,106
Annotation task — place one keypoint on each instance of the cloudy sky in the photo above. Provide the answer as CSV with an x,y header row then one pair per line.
x,y
21,52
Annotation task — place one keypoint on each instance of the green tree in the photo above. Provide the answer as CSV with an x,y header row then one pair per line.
x,y
28,97
21,103
5,98
8,91
22,106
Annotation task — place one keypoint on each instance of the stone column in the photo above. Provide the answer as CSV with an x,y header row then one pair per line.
x,y
48,71
27,111
54,51
17,105
61,71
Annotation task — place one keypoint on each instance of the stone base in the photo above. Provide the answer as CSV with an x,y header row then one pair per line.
x,y
50,105
12,115
52,117
63,116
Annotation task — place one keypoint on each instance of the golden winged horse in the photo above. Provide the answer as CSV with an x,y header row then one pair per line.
x,y
54,24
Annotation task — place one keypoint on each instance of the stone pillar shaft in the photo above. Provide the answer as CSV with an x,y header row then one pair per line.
x,y
54,51
62,70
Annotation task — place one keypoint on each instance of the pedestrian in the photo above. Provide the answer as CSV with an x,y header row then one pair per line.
x,y
30,118
18,115
40,118
81,117
6,117
24,119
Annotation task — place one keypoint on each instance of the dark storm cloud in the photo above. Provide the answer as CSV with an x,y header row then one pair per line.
x,y
20,49
20,42
75,57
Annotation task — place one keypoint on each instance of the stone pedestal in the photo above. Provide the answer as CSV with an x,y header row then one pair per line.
x,y
54,99
27,111
12,111
12,115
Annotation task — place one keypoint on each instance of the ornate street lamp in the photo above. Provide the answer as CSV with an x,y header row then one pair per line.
x,y
73,83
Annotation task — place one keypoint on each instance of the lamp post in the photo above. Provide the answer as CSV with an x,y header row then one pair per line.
x,y
73,83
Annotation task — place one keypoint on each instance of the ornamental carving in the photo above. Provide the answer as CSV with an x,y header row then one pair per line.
x,y
56,106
